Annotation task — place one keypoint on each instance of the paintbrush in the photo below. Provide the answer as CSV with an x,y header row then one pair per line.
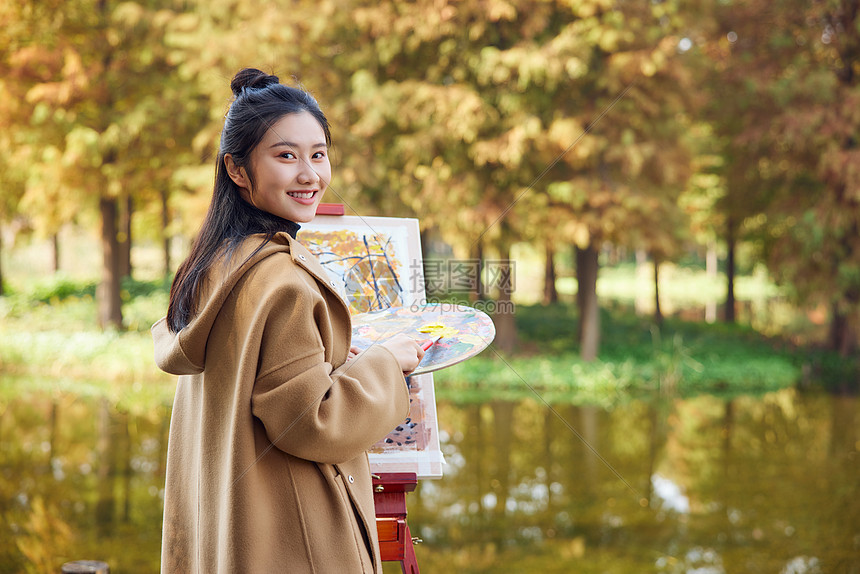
x,y
427,344
436,332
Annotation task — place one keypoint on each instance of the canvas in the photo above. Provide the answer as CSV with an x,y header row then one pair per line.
x,y
376,263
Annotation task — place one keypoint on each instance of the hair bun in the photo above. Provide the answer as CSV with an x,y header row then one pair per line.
x,y
251,78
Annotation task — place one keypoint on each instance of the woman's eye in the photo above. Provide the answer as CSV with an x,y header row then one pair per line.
x,y
319,155
288,155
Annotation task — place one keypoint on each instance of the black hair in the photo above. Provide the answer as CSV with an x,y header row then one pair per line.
x,y
260,100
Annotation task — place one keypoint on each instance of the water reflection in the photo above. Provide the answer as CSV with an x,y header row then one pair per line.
x,y
79,480
752,484
706,485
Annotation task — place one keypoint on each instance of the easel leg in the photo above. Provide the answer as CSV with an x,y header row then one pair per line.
x,y
409,564
395,539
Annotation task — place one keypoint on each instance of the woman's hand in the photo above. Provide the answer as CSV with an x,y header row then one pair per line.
x,y
407,351
353,351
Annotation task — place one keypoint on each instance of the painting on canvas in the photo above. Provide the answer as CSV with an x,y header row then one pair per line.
x,y
376,264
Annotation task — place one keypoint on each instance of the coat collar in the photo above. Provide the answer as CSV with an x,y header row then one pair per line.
x,y
309,262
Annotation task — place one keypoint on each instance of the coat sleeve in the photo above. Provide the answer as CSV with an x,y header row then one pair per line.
x,y
309,409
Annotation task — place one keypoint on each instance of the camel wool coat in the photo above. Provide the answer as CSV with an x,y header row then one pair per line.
x,y
267,468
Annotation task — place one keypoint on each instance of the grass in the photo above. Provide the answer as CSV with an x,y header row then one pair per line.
x,y
681,357
50,342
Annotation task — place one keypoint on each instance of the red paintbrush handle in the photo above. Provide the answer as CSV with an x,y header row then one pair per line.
x,y
429,343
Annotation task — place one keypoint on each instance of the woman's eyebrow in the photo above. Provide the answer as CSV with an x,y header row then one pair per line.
x,y
291,144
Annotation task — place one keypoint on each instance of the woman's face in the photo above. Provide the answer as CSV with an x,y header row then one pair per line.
x,y
291,168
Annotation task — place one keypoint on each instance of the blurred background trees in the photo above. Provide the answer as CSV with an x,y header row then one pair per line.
x,y
97,121
658,127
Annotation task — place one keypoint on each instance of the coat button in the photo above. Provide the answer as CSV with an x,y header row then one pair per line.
x,y
350,479
332,283
302,257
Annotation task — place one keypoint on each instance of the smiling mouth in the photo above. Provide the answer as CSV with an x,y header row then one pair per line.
x,y
301,194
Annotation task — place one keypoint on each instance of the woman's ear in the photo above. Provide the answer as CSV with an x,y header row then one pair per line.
x,y
236,173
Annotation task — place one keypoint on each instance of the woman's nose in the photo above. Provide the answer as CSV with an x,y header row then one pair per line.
x,y
307,174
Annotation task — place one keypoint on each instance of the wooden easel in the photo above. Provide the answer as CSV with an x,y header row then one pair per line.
x,y
389,492
395,539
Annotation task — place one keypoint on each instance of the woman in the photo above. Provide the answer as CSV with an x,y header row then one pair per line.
x,y
266,467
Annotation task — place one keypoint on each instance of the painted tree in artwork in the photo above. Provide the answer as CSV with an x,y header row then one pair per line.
x,y
367,263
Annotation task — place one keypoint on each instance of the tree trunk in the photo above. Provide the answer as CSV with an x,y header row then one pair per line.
x,y
109,300
165,237
478,256
124,237
843,338
482,286
589,314
550,293
729,315
503,317
55,239
658,314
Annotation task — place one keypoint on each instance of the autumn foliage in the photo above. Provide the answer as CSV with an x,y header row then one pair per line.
x,y
653,126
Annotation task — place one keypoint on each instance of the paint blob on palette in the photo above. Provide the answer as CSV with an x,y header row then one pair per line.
x,y
464,331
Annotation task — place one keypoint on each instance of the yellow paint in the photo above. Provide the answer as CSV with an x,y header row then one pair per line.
x,y
437,330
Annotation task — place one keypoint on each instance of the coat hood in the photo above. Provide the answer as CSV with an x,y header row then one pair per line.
x,y
184,353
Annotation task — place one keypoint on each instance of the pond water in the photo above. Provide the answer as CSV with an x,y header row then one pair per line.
x,y
704,485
